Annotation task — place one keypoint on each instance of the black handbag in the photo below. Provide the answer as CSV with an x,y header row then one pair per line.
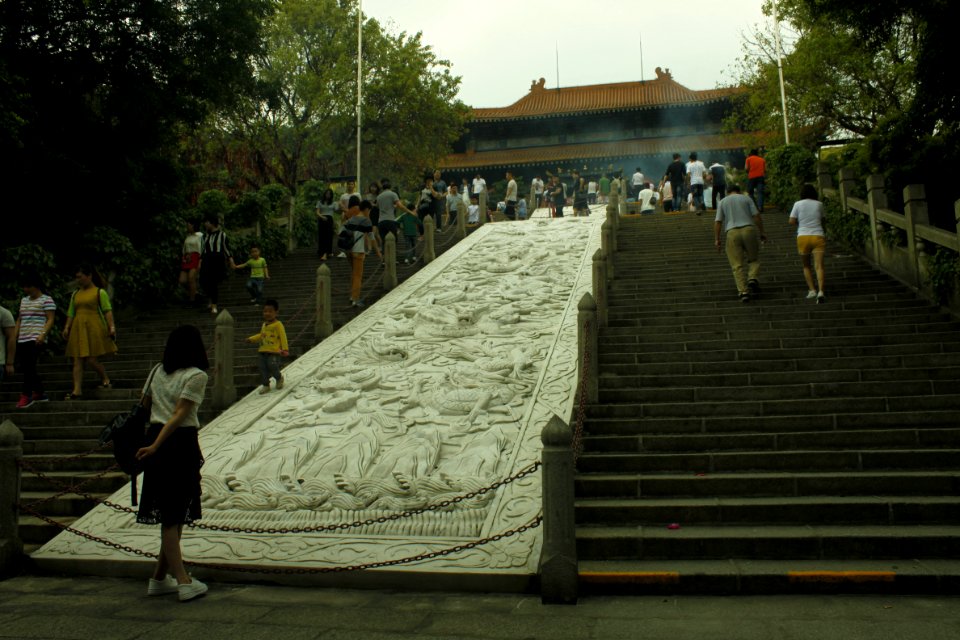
x,y
127,432
345,240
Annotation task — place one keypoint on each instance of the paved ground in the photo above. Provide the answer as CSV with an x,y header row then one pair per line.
x,y
118,609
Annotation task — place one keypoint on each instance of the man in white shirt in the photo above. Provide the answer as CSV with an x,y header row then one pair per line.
x,y
696,170
537,185
636,183
479,184
592,191
647,199
510,199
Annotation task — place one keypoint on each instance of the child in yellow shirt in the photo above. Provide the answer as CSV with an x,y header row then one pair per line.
x,y
258,274
273,345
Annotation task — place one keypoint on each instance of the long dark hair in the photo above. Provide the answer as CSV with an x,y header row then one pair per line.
x,y
327,197
87,269
184,350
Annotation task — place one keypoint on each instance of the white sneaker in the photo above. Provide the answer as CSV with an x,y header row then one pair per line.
x,y
264,389
191,590
162,587
811,294
341,255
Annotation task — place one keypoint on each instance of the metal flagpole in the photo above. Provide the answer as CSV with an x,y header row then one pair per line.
x,y
359,83
783,92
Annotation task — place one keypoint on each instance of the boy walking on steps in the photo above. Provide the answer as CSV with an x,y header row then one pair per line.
x,y
258,274
273,345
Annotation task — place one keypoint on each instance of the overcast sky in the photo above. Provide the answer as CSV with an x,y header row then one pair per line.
x,y
499,46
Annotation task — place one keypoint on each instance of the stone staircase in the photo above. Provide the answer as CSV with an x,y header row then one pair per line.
x,y
777,445
61,428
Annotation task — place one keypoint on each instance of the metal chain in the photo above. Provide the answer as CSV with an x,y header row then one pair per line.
x,y
64,488
70,458
533,524
272,530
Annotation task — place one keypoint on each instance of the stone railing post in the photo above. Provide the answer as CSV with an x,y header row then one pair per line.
x,y
429,233
531,202
876,199
623,196
390,262
612,221
847,182
824,179
224,390
11,450
462,213
915,212
587,341
323,325
613,215
291,211
608,241
600,286
482,201
558,558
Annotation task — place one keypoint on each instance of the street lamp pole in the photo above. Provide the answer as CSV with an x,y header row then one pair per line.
x,y
783,92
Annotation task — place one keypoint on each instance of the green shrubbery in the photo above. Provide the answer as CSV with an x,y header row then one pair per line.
x,y
788,168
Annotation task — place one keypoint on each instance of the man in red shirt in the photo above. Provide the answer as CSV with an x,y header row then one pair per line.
x,y
756,172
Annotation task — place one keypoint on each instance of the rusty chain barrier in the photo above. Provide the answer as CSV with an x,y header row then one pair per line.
x,y
75,489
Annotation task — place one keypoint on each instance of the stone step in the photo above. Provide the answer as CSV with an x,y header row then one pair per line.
x,y
98,461
870,366
56,481
769,542
69,505
791,323
768,484
634,425
782,441
795,460
612,382
34,531
749,576
797,511
935,342
813,391
770,408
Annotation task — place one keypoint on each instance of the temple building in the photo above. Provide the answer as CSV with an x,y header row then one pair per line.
x,y
597,129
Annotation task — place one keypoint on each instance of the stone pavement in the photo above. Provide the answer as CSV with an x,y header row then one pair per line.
x,y
117,609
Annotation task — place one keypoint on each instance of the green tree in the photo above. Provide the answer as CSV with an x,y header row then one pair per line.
x,y
302,123
93,99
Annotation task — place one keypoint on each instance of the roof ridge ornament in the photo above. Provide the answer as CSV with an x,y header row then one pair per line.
x,y
663,74
538,85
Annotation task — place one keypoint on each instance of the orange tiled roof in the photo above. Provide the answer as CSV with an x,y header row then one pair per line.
x,y
622,96
545,156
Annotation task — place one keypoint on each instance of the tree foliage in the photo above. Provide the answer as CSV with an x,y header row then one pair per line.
x,y
301,123
876,71
93,98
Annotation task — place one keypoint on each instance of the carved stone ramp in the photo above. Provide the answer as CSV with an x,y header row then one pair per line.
x,y
773,446
386,440
58,430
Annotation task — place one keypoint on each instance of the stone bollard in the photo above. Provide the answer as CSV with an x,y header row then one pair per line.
x,y
482,201
587,341
11,450
915,211
612,241
607,244
876,199
558,557
323,326
390,262
824,179
847,183
429,233
600,286
462,213
224,390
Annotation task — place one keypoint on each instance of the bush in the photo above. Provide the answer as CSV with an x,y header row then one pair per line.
x,y
278,196
848,228
212,203
253,208
22,259
788,168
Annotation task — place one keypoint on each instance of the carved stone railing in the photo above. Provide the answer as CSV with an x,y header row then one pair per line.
x,y
907,262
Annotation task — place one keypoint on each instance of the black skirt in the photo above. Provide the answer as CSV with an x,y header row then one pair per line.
x,y
171,479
